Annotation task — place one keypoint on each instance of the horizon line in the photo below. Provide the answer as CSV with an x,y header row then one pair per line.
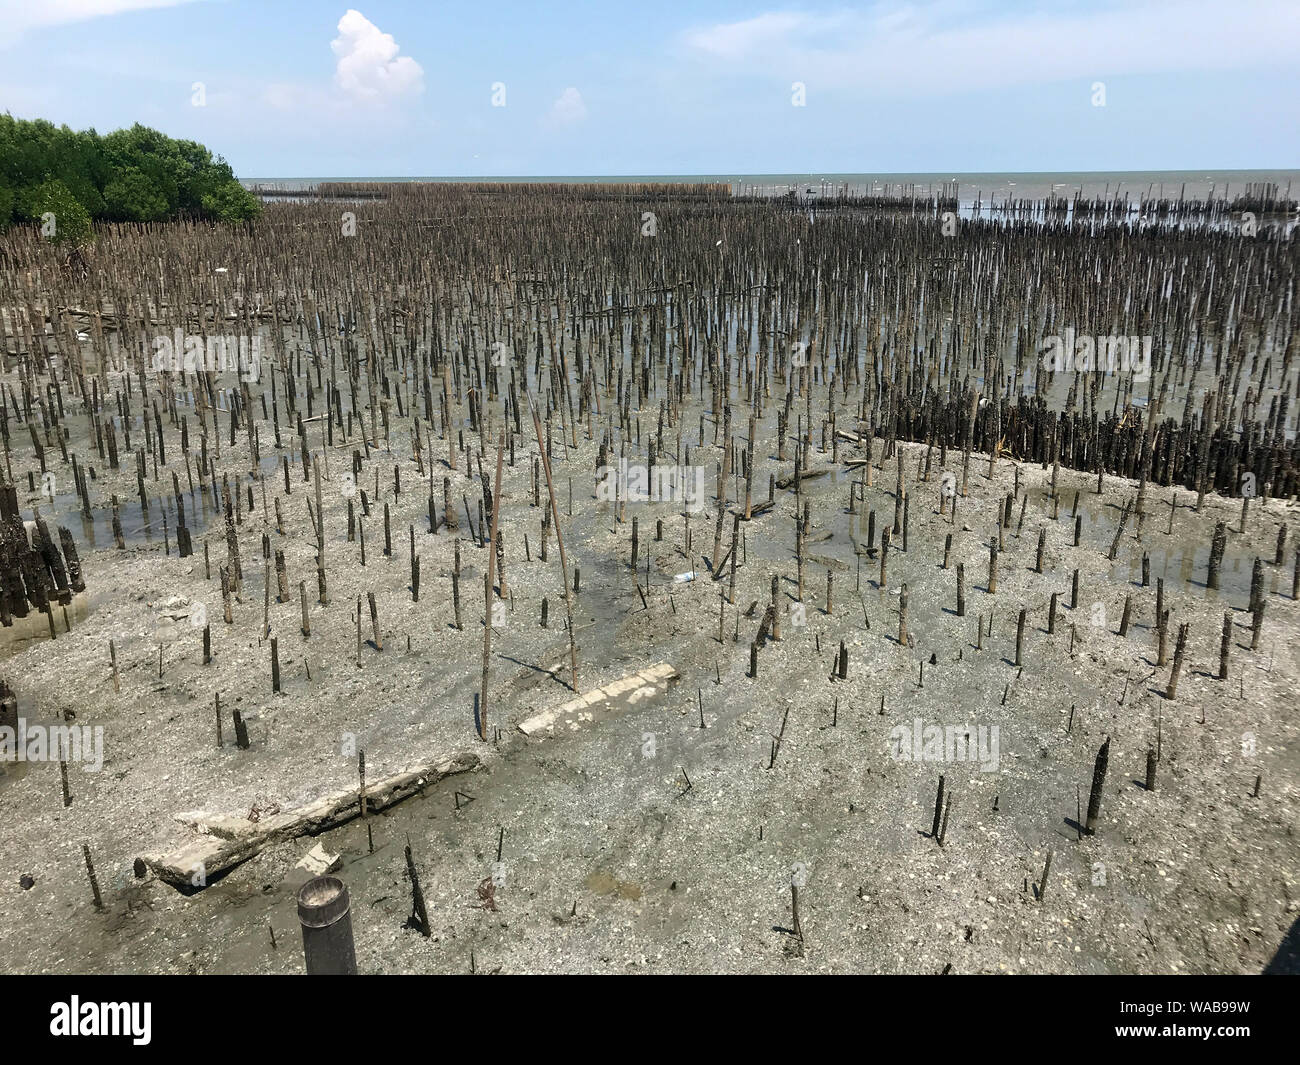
x,y
773,174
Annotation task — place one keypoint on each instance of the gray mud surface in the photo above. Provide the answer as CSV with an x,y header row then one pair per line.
x,y
645,842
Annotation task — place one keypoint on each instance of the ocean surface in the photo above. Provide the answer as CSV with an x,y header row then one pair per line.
x,y
986,188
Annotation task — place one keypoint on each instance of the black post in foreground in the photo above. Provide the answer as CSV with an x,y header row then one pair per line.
x,y
326,918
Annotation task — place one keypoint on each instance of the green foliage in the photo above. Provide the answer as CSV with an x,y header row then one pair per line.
x,y
129,175
231,202
134,196
61,216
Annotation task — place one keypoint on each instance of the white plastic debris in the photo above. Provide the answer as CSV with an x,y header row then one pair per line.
x,y
318,862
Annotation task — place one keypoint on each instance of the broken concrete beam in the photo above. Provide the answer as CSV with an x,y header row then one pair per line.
x,y
603,701
227,840
223,826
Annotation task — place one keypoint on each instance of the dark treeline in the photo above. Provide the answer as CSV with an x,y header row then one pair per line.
x,y
129,175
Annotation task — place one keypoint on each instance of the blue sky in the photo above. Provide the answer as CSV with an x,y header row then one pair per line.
x,y
295,88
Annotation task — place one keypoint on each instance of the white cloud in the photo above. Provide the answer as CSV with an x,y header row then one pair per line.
x,y
568,109
369,67
956,46
19,16
368,72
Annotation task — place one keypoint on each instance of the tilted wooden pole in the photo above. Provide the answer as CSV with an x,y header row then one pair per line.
x,y
559,539
487,627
